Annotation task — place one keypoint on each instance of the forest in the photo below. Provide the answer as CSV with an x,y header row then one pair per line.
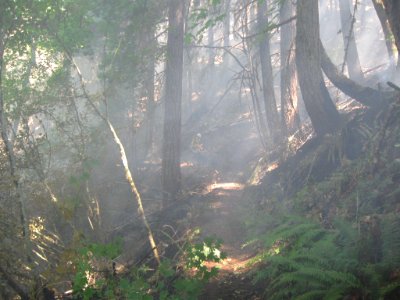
x,y
200,149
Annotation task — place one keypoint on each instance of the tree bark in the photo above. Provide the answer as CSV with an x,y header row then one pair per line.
x,y
171,173
227,23
151,104
267,75
365,95
211,42
392,8
151,108
289,99
380,11
323,113
350,48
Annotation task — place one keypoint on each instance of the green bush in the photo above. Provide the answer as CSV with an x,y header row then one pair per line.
x,y
95,279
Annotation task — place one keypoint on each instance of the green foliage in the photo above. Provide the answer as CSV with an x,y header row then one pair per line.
x,y
198,254
307,261
304,260
94,278
175,286
201,19
86,269
391,241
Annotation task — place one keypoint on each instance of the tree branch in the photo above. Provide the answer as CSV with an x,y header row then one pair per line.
x,y
365,95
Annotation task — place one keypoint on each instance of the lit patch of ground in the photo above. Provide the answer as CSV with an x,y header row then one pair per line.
x,y
228,186
186,164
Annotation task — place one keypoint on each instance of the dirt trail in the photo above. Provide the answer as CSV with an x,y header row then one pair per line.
x,y
222,219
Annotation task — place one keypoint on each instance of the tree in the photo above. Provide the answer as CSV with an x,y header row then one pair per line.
x,y
13,24
23,80
323,113
392,8
365,95
171,173
227,23
350,48
267,75
380,11
289,99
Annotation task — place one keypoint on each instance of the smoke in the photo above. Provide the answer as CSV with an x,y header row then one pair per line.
x,y
376,64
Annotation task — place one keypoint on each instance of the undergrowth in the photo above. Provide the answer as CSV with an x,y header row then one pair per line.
x,y
167,282
333,232
304,260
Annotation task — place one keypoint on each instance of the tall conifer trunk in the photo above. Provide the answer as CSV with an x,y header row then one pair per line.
x,y
267,75
289,98
323,113
171,173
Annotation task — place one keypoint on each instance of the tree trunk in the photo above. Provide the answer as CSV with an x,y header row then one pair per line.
x,y
392,8
380,11
323,114
289,111
151,104
123,157
350,48
211,44
227,23
171,173
267,75
151,108
365,95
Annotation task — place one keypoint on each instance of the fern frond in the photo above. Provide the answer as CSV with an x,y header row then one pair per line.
x,y
310,236
391,241
295,282
310,295
335,292
385,291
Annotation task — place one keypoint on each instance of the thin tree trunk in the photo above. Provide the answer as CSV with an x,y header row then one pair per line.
x,y
171,172
151,105
350,48
380,11
290,118
227,23
211,50
123,157
323,113
392,8
267,75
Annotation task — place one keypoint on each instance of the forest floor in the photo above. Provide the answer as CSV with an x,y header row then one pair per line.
x,y
222,219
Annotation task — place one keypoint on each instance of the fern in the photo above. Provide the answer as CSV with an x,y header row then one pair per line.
x,y
392,288
310,262
391,241
310,295
306,261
